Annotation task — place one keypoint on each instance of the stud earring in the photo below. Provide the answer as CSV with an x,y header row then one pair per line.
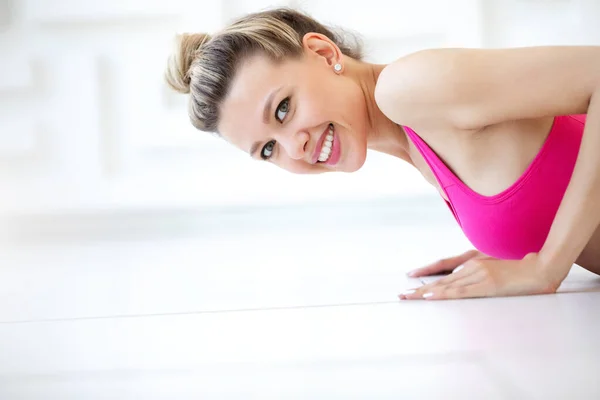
x,y
337,67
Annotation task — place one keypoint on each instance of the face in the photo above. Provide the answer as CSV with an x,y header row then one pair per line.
x,y
300,115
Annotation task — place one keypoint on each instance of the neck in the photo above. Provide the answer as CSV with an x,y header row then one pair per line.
x,y
384,135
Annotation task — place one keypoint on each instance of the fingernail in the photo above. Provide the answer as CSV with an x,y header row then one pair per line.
x,y
458,268
410,273
427,295
411,291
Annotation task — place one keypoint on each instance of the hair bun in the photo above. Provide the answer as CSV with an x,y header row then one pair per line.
x,y
178,74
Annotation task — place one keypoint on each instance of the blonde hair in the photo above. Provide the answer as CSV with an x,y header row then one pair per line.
x,y
204,66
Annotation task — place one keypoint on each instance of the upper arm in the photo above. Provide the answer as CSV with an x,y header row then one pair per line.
x,y
474,88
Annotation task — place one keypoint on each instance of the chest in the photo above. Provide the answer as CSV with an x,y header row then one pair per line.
x,y
489,161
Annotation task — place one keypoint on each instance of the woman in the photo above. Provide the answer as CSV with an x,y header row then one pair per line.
x,y
509,137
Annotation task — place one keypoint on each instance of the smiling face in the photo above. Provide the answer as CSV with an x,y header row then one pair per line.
x,y
289,112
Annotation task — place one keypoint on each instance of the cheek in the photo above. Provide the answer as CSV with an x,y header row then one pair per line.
x,y
342,103
312,111
317,101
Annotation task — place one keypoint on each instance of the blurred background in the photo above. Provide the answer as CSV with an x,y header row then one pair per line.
x,y
112,205
87,124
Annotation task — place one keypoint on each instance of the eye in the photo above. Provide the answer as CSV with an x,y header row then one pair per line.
x,y
282,109
267,151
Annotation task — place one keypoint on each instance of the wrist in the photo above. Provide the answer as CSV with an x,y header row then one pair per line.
x,y
553,267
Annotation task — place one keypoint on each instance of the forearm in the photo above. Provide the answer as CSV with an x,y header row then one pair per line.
x,y
579,213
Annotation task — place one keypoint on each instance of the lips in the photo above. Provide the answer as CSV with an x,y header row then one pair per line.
x,y
319,145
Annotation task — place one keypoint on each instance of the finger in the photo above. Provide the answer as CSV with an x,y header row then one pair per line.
x,y
417,294
457,274
467,280
404,295
470,279
456,288
462,276
479,289
461,273
444,265
431,269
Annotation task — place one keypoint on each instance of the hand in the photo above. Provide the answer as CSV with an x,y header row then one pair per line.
x,y
446,265
489,277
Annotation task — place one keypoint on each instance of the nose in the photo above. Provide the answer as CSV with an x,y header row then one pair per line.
x,y
295,144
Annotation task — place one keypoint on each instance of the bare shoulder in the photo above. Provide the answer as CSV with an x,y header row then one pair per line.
x,y
471,88
414,89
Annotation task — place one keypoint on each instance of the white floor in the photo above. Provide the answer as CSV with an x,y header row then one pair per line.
x,y
283,314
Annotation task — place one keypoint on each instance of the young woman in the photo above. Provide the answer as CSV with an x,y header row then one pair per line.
x,y
509,137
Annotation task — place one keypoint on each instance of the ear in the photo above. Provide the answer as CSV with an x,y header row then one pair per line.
x,y
321,46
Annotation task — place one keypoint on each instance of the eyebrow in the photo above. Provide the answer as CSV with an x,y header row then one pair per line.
x,y
265,118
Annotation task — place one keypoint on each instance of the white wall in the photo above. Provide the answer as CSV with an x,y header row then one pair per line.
x,y
86,121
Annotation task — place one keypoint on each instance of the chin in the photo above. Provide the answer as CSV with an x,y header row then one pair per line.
x,y
354,163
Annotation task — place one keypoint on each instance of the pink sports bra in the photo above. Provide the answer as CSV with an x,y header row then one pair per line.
x,y
515,222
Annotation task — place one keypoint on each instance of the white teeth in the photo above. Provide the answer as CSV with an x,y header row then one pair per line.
x,y
327,144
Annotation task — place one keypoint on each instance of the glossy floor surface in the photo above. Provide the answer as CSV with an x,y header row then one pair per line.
x,y
282,314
